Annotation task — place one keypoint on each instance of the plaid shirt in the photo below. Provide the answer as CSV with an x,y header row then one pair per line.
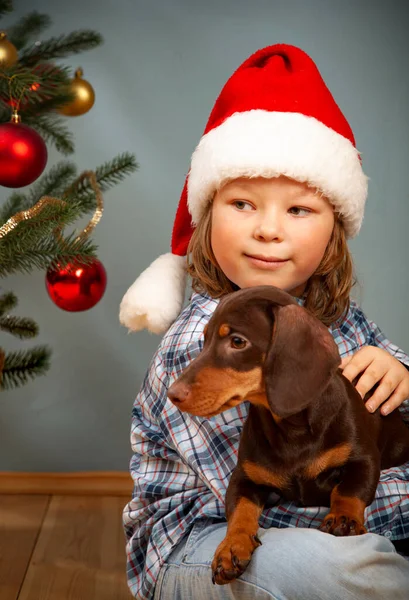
x,y
181,464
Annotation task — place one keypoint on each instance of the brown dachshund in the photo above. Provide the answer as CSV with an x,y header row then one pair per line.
x,y
308,435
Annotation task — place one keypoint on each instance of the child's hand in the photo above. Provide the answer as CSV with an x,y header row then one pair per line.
x,y
377,365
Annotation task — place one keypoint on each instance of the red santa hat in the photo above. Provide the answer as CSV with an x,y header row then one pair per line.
x,y
275,116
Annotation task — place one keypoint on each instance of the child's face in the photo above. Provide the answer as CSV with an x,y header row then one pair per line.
x,y
258,219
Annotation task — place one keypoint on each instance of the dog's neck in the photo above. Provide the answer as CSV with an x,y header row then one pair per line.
x,y
294,426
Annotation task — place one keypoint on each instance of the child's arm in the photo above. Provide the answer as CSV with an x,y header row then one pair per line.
x,y
167,493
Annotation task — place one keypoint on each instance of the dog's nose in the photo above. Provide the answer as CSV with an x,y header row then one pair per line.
x,y
179,392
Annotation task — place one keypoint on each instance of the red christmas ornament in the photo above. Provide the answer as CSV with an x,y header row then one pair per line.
x,y
76,286
23,155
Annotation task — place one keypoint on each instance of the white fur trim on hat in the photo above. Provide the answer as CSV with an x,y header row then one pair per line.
x,y
155,299
259,143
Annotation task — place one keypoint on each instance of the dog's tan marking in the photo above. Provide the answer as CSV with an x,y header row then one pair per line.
x,y
334,457
215,389
259,399
224,330
244,517
263,476
350,505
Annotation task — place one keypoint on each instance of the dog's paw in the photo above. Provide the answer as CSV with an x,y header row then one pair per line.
x,y
342,525
232,557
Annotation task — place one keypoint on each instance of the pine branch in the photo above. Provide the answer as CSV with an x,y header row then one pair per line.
x,y
6,6
21,327
108,175
45,84
57,183
16,81
52,80
53,183
8,301
48,253
5,112
14,204
21,366
28,27
49,217
113,172
61,47
33,243
41,106
53,129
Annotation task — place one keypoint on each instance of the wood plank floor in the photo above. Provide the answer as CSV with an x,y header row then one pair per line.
x,y
62,548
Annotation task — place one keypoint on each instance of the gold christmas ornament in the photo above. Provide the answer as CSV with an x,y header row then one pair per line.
x,y
8,52
84,96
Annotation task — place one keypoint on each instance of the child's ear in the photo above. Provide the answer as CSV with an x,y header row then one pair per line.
x,y
301,360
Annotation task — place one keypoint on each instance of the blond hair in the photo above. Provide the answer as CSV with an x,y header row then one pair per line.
x,y
327,291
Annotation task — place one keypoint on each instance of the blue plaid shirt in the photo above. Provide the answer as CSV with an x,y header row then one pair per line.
x,y
181,464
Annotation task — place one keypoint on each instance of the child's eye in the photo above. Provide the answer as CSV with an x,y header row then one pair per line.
x,y
298,210
242,205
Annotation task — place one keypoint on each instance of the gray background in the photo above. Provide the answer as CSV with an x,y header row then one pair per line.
x,y
156,79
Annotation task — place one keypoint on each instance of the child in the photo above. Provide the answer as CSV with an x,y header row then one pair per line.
x,y
274,189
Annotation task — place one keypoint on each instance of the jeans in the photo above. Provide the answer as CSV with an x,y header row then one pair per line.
x,y
291,564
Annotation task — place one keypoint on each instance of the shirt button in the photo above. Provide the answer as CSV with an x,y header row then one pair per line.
x,y
388,534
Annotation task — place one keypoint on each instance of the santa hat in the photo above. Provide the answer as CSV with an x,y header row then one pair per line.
x,y
275,116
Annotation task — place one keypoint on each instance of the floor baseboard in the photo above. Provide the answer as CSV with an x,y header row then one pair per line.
x,y
88,483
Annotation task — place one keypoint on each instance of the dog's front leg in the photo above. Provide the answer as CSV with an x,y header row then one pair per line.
x,y
244,503
350,497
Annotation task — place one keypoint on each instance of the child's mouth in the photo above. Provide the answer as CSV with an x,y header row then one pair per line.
x,y
268,263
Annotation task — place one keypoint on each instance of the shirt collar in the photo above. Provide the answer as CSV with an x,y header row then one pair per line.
x,y
208,304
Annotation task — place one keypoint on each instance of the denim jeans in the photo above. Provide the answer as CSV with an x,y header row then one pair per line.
x,y
291,564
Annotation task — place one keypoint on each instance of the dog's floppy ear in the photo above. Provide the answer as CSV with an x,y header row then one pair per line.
x,y
300,362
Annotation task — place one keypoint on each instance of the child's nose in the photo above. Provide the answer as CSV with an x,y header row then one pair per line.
x,y
268,230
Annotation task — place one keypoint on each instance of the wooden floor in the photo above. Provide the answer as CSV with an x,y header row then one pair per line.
x,y
62,548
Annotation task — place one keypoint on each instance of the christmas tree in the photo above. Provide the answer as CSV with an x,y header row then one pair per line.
x,y
36,95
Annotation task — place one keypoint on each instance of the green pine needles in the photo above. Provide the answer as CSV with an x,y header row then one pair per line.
x,y
32,244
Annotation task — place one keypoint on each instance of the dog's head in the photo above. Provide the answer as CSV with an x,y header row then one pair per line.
x,y
261,346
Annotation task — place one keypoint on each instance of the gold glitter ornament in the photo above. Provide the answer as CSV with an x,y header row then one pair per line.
x,y
26,215
84,96
8,52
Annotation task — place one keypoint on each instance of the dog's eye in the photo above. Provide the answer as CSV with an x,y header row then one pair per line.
x,y
238,342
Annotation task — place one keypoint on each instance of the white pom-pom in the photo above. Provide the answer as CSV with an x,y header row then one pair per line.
x,y
155,299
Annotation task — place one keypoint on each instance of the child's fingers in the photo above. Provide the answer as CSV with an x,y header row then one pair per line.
x,y
345,361
357,363
386,389
372,375
396,399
